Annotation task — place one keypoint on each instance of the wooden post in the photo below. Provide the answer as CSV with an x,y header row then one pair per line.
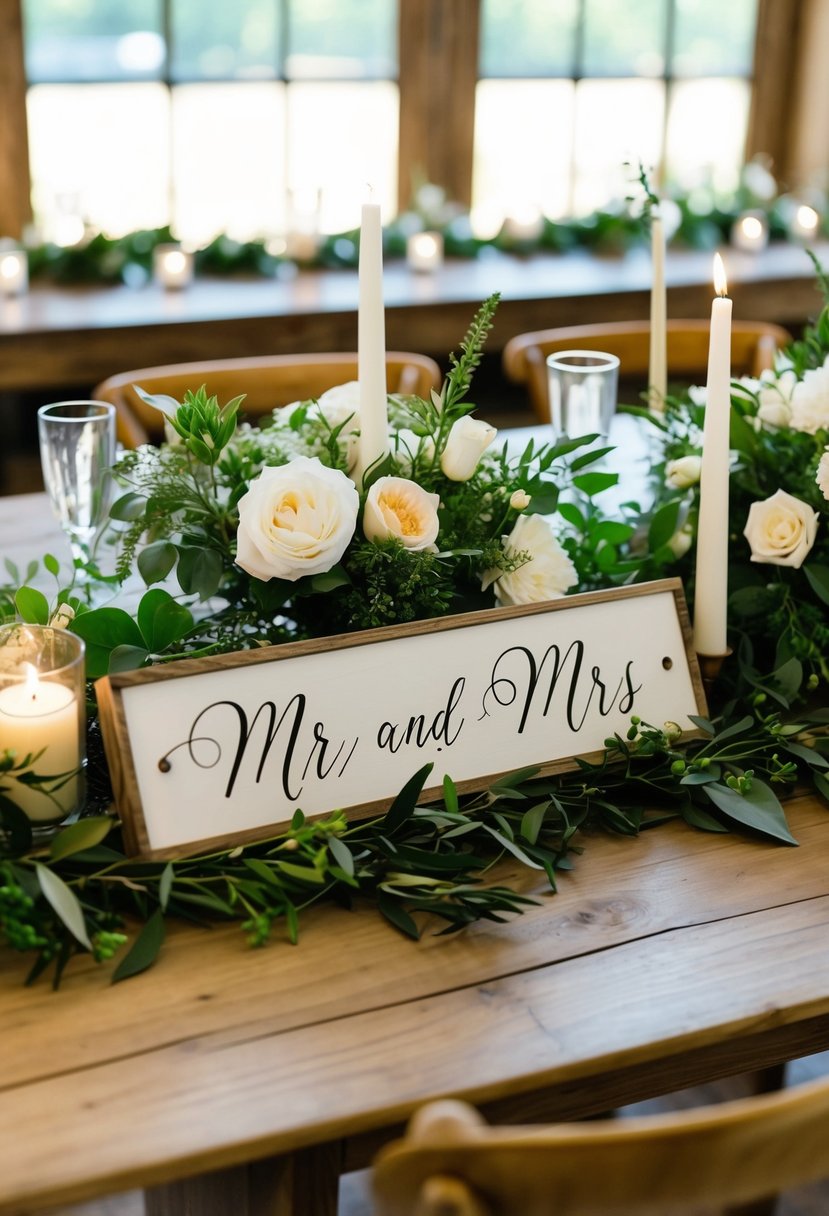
x,y
438,74
15,201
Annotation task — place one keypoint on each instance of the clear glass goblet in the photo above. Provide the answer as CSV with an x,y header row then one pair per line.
x,y
77,451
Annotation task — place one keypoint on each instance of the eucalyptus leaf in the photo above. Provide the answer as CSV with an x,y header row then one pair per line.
x,y
406,801
84,834
64,902
759,809
144,950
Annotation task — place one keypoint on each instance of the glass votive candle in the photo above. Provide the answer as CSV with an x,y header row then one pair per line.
x,y
582,386
805,223
424,251
750,232
43,721
14,272
173,267
523,224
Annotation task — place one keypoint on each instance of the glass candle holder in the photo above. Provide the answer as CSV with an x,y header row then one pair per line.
x,y
43,721
173,267
14,272
424,251
805,224
750,232
582,386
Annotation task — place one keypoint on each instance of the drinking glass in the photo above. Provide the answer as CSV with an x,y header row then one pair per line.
x,y
582,386
77,450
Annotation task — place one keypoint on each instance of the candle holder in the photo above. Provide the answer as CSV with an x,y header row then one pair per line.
x,y
14,272
750,232
710,666
43,722
805,224
173,267
424,251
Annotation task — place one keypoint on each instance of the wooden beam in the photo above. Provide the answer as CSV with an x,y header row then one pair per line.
x,y
15,201
438,74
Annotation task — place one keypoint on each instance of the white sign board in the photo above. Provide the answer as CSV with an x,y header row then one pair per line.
x,y
224,749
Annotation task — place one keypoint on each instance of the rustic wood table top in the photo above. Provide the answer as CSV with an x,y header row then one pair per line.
x,y
663,960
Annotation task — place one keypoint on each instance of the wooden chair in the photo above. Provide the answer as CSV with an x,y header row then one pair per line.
x,y
753,345
267,382
451,1164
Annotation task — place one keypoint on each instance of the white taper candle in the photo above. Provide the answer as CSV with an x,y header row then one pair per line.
x,y
371,343
658,361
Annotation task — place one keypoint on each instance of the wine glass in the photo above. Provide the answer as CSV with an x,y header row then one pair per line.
x,y
77,451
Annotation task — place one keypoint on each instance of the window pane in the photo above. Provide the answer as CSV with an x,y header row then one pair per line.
x,y
93,39
99,151
634,46
712,38
324,156
342,39
224,40
523,145
229,156
617,121
528,37
706,132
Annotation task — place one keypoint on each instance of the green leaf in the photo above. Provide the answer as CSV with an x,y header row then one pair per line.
x,y
703,724
513,848
144,950
156,561
595,483
663,525
165,885
758,809
126,658
199,571
808,754
581,462
406,801
162,620
818,578
612,532
16,825
32,606
128,507
532,821
63,902
301,873
108,628
52,565
450,795
333,578
398,916
342,854
821,785
84,834
570,512
736,728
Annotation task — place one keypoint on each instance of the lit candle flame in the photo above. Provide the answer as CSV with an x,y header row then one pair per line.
x,y
752,227
32,683
720,283
808,218
175,261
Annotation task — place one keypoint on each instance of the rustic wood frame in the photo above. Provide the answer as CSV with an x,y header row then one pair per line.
x,y
119,752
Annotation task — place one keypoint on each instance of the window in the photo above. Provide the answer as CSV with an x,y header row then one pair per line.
x,y
568,92
247,117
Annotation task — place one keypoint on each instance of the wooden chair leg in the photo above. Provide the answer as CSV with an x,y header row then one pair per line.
x,y
764,1081
304,1182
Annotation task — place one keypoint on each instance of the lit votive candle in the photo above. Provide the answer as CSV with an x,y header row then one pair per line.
x,y
14,272
42,720
750,232
805,223
424,251
523,224
173,267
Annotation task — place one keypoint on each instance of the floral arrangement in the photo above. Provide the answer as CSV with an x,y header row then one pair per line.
x,y
273,534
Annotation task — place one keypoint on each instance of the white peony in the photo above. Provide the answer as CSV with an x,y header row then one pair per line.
x,y
296,519
399,508
546,576
810,401
465,444
682,473
822,476
781,530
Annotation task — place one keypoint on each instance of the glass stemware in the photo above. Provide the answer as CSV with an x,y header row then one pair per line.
x,y
77,451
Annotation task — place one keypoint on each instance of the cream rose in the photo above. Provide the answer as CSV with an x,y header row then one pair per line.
x,y
399,508
822,475
781,530
465,444
546,576
296,519
682,473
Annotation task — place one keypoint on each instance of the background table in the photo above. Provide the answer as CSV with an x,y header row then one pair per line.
x,y
664,960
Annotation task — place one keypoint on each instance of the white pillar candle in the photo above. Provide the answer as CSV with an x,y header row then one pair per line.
x,y
371,343
424,251
658,361
14,272
172,267
711,594
37,715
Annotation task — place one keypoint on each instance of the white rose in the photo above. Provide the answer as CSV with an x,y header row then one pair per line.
x,y
780,530
340,407
296,519
822,476
681,541
546,576
682,473
520,500
810,401
774,397
399,508
465,444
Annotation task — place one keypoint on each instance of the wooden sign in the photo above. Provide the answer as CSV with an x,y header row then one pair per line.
x,y
219,751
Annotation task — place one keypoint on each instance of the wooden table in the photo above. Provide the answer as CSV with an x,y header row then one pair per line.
x,y
666,960
55,337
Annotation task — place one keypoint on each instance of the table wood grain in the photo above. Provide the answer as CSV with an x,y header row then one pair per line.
x,y
664,960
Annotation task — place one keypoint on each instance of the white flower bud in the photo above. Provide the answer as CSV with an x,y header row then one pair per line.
x,y
682,473
465,444
681,541
519,500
